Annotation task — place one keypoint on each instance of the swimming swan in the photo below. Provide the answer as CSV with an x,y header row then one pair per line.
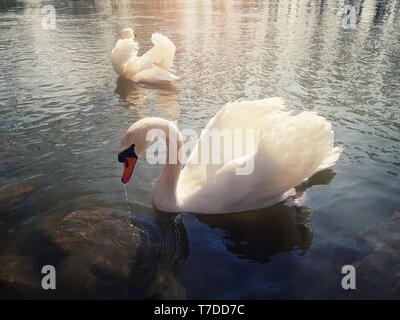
x,y
150,67
284,149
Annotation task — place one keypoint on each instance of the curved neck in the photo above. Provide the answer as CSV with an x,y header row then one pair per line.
x,y
164,193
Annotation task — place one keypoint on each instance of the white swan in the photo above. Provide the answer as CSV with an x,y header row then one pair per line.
x,y
151,67
285,150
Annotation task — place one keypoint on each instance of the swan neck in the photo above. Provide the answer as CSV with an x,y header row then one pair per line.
x,y
165,191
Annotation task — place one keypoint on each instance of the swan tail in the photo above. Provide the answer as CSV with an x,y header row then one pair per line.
x,y
331,159
296,146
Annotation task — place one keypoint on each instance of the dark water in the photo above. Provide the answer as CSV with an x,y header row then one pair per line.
x,y
64,111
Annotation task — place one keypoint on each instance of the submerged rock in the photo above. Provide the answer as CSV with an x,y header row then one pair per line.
x,y
108,256
99,245
99,237
13,194
17,277
378,274
91,250
98,253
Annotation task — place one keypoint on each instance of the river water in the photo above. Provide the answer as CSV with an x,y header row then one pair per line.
x,y
64,112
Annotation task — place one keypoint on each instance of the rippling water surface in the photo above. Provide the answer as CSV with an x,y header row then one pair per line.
x,y
64,111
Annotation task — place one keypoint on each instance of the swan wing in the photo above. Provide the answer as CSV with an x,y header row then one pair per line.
x,y
136,66
163,52
236,127
235,117
286,150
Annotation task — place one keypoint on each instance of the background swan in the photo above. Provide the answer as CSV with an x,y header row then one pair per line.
x,y
286,149
151,67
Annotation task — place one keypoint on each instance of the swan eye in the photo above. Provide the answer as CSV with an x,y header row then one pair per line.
x,y
126,163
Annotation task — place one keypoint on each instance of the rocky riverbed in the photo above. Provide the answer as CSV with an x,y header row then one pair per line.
x,y
97,252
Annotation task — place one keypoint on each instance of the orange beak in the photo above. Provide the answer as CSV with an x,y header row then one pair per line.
x,y
129,165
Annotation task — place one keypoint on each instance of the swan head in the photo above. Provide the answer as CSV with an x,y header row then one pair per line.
x,y
136,140
128,33
128,157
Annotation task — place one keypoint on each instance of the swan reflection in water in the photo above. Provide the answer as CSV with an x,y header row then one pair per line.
x,y
143,96
258,235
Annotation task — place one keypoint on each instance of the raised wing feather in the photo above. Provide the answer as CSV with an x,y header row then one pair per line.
x,y
163,52
240,125
287,149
